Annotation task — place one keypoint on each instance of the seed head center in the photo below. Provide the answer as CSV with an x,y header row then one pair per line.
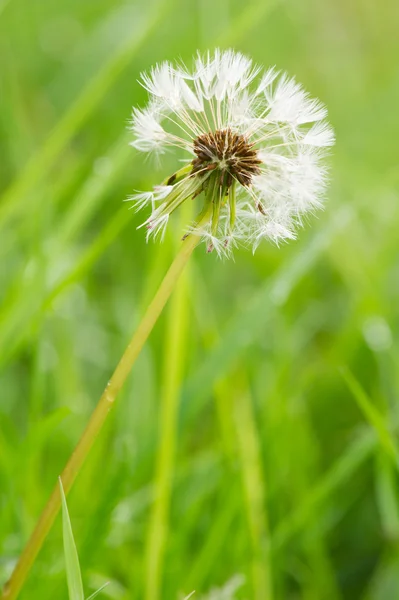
x,y
229,152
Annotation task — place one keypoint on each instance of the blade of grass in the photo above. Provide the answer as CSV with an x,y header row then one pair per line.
x,y
213,544
372,415
342,470
74,577
387,495
98,591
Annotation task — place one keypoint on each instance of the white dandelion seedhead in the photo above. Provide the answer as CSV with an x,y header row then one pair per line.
x,y
255,145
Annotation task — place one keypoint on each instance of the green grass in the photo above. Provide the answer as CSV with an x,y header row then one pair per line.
x,y
256,440
72,566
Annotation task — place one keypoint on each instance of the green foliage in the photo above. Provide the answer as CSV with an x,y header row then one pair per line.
x,y
258,432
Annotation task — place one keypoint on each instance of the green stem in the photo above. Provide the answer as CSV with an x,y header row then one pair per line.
x,y
98,418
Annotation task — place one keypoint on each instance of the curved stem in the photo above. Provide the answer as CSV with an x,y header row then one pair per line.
x,y
96,422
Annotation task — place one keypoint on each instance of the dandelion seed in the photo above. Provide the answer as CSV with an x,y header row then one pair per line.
x,y
255,150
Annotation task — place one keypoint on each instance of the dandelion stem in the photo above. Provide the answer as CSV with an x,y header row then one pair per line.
x,y
98,418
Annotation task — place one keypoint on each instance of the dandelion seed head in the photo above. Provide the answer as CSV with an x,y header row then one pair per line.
x,y
254,144
229,153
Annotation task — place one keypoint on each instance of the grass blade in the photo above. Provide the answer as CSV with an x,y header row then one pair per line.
x,y
98,591
372,415
74,577
341,471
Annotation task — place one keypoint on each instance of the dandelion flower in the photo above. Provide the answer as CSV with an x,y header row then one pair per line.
x,y
253,145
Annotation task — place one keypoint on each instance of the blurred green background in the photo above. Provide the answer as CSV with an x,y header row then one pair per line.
x,y
256,437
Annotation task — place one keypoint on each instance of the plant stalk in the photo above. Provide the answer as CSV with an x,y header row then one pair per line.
x,y
98,418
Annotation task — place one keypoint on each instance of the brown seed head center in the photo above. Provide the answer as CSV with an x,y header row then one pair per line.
x,y
229,152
